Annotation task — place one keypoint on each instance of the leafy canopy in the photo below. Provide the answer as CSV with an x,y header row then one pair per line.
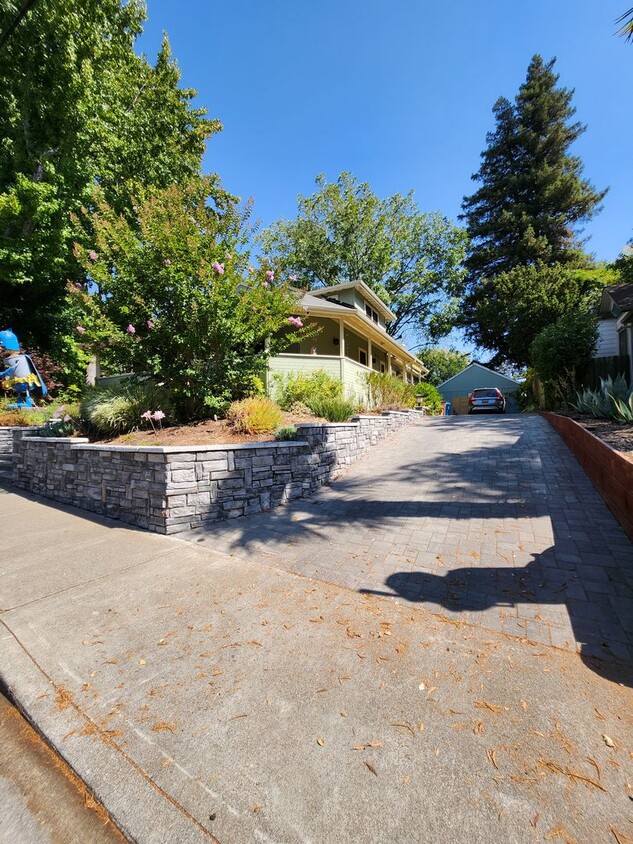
x,y
344,232
442,363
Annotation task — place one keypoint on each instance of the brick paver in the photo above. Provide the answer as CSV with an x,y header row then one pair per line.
x,y
487,520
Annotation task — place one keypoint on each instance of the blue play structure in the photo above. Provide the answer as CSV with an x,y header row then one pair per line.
x,y
20,374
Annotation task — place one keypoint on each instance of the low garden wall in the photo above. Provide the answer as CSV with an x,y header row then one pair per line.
x,y
610,472
173,489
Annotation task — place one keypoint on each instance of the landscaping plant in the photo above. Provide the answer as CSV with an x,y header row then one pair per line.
x,y
612,400
108,411
431,395
302,388
333,409
255,415
285,434
386,392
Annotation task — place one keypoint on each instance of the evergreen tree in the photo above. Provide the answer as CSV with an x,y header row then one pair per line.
x,y
531,200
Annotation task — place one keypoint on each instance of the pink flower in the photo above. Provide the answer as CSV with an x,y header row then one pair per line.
x,y
146,415
80,329
228,256
218,267
251,268
130,329
264,284
167,262
150,324
270,275
158,415
93,255
295,321
78,285
293,278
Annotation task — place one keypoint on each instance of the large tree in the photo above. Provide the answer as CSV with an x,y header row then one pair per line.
x,y
78,107
531,201
442,363
344,232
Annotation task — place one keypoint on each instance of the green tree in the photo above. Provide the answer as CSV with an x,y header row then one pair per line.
x,y
344,232
169,295
78,107
531,200
442,363
623,266
626,24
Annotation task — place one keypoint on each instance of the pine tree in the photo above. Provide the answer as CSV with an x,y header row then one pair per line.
x,y
532,197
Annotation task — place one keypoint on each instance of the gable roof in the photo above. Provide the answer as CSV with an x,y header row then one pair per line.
x,y
620,294
482,367
365,291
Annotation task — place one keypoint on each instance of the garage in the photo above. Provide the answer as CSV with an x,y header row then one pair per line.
x,y
457,389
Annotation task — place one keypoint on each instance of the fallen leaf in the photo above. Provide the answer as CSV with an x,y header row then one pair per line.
x,y
257,807
420,726
483,704
165,726
406,779
478,728
86,687
491,757
318,620
320,742
371,768
142,662
343,714
599,714
368,744
535,820
608,740
573,775
241,715
404,726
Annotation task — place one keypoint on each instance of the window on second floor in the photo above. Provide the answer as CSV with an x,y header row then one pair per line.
x,y
371,313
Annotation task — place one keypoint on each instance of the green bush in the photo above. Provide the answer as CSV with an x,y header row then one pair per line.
x,y
286,434
432,398
255,415
304,387
333,409
108,411
386,392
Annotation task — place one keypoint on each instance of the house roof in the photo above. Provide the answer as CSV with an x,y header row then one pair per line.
x,y
367,293
620,294
318,306
482,367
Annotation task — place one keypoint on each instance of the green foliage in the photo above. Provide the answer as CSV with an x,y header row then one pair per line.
x,y
108,411
612,400
79,106
21,418
333,409
168,291
286,434
442,363
386,392
564,349
344,232
431,395
531,200
255,415
623,266
303,387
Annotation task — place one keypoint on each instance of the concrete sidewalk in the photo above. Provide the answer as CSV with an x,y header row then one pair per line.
x,y
205,698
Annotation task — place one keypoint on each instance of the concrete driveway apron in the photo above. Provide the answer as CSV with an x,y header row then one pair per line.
x,y
485,520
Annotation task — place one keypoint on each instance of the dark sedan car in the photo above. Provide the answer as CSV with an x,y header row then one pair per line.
x,y
486,398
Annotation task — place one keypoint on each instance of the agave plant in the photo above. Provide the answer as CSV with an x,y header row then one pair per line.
x,y
612,400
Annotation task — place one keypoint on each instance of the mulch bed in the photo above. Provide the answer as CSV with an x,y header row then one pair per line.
x,y
619,435
207,432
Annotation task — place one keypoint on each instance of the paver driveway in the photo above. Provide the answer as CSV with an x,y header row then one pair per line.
x,y
487,520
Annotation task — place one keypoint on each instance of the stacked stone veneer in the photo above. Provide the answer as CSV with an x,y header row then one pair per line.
x,y
172,489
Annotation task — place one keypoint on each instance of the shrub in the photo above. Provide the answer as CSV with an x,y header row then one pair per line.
x,y
305,387
20,418
286,434
386,392
333,409
255,415
432,398
108,411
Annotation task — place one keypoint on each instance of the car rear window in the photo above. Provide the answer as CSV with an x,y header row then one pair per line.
x,y
485,394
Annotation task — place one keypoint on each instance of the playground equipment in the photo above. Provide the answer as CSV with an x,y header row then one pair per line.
x,y
21,374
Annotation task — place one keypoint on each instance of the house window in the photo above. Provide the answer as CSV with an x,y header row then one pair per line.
x,y
382,367
371,313
622,342
362,357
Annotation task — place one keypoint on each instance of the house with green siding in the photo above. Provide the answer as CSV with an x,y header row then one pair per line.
x,y
351,343
457,389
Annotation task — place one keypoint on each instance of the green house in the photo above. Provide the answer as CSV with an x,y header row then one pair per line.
x,y
352,342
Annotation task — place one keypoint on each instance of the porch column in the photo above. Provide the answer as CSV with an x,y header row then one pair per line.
x,y
369,363
389,364
341,347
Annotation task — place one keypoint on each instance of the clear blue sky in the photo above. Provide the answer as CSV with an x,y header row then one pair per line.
x,y
399,92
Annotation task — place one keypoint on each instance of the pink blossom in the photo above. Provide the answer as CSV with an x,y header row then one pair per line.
x,y
264,284
150,324
93,255
270,275
78,285
228,256
251,268
167,262
158,415
80,329
296,321
293,278
218,267
130,329
146,415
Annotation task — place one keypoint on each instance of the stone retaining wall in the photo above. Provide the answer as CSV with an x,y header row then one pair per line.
x,y
172,489
610,472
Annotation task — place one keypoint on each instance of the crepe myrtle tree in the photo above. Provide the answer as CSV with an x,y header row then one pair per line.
x,y
172,291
